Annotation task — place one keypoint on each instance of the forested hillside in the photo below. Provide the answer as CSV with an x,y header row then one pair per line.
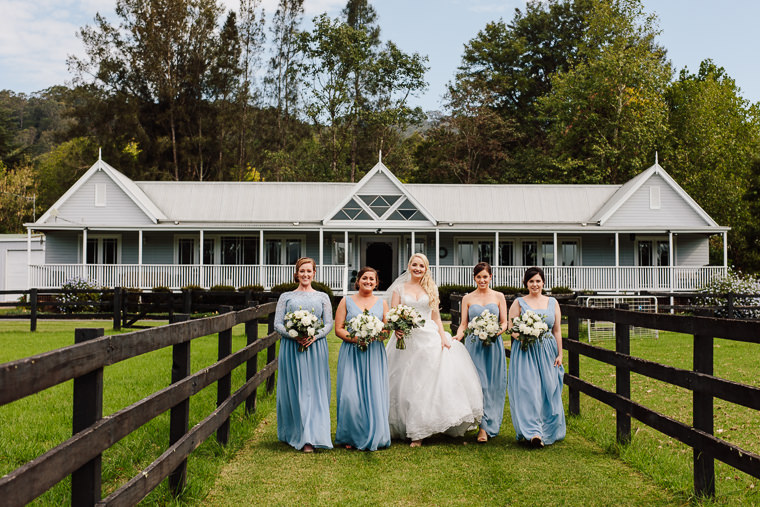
x,y
570,91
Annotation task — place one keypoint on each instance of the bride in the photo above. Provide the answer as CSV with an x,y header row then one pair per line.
x,y
434,386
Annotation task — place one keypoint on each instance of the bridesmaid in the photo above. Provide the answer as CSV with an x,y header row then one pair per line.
x,y
362,390
303,378
536,374
490,360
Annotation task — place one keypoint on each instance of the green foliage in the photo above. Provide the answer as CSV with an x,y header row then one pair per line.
x,y
160,288
194,288
252,288
561,290
222,288
738,283
445,291
509,290
71,295
288,286
17,188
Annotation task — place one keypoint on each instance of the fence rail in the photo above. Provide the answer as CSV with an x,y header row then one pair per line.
x,y
83,362
705,387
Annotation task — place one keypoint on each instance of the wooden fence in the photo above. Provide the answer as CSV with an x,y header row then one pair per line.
x,y
80,456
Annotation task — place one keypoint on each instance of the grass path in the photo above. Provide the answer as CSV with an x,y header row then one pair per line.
x,y
444,471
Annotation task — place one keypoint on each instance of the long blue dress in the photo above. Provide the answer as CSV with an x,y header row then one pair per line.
x,y
362,390
535,385
303,378
491,364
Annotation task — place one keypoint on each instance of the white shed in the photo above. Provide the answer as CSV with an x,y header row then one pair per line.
x,y
15,259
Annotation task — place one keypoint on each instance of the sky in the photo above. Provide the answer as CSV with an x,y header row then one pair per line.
x,y
36,37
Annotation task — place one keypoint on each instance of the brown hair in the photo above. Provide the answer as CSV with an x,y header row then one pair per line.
x,y
531,272
300,262
481,266
362,271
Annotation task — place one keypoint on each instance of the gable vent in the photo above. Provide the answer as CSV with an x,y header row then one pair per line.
x,y
654,197
100,194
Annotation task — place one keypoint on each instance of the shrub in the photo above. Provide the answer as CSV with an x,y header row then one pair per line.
x,y
285,287
252,288
161,288
77,299
561,290
222,288
738,283
509,290
194,287
445,292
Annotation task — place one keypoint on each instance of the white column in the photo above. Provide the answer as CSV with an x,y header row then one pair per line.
x,y
345,262
321,251
411,246
261,259
200,259
725,252
617,262
496,249
139,258
670,262
554,244
28,259
84,253
437,256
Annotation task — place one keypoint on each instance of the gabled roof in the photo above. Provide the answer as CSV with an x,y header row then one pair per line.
x,y
125,184
631,186
378,172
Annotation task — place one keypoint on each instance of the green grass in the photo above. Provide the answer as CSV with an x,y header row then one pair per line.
x,y
667,461
33,425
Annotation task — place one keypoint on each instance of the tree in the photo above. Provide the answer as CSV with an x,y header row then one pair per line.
x,y
607,113
17,188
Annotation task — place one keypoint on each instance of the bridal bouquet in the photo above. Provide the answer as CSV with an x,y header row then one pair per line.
x,y
403,318
366,328
530,326
302,323
485,327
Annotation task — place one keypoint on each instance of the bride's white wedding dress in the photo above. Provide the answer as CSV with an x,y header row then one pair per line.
x,y
432,389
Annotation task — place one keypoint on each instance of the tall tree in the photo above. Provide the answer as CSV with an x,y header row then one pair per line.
x,y
607,113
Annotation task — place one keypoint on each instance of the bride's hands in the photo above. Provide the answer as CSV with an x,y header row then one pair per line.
x,y
444,342
399,334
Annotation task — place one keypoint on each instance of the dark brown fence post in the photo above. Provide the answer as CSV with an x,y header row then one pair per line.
x,y
187,300
730,301
270,352
623,379
252,365
33,309
88,409
704,466
573,365
170,304
224,384
179,415
117,308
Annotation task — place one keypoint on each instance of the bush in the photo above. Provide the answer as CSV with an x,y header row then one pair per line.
x,y
252,288
561,290
509,290
445,292
77,299
160,288
287,286
194,287
738,283
222,288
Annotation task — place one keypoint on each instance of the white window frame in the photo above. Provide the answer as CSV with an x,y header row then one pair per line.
x,y
335,240
475,242
100,237
654,240
577,239
283,249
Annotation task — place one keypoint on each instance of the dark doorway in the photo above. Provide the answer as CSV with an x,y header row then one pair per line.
x,y
380,257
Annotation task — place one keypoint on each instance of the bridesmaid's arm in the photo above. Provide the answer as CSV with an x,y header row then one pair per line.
x,y
503,314
437,319
279,316
514,311
340,323
557,332
327,317
464,318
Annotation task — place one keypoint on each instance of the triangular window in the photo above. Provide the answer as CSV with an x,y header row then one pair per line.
x,y
406,211
379,204
352,211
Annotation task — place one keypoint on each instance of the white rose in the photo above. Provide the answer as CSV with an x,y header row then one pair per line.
x,y
293,333
305,322
311,331
394,317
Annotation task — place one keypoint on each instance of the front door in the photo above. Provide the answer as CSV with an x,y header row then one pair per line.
x,y
379,253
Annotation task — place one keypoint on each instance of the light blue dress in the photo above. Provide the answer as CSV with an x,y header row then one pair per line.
x,y
535,385
491,364
303,378
362,390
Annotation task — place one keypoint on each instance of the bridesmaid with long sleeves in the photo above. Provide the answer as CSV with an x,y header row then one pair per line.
x,y
489,360
303,379
362,389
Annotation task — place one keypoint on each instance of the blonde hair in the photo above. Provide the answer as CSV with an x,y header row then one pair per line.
x,y
427,283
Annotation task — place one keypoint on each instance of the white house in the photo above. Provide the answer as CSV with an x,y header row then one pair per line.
x,y
647,234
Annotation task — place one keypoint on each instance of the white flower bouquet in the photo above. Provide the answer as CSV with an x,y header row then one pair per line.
x,y
531,327
403,318
366,328
485,327
302,323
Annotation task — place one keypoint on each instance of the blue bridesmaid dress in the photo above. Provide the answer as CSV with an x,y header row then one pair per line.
x,y
535,385
491,364
362,390
303,378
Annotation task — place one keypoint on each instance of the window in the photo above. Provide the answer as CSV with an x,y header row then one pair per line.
x,y
653,253
237,250
339,251
419,247
100,194
547,253
529,253
506,253
282,250
101,249
569,253
188,251
208,251
472,251
185,251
